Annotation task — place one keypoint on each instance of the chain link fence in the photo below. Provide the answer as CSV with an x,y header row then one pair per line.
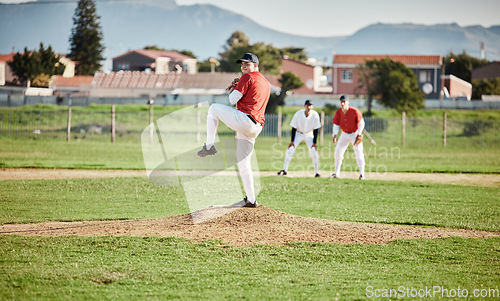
x,y
97,125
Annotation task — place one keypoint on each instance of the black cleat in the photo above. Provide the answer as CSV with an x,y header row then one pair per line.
x,y
334,176
250,205
205,152
361,177
282,172
317,175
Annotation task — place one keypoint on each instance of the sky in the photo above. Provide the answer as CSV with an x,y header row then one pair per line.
x,y
333,18
325,18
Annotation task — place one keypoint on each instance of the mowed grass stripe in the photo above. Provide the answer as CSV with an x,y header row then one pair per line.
x,y
102,154
120,268
24,201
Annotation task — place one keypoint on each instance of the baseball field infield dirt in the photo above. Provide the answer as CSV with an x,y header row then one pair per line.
x,y
243,226
485,180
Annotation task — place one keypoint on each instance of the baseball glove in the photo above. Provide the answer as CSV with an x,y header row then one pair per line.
x,y
233,85
359,139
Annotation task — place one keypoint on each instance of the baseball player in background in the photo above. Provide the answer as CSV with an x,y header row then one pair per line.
x,y
351,122
305,125
250,94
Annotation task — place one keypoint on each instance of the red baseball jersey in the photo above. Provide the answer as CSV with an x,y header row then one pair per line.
x,y
349,121
256,91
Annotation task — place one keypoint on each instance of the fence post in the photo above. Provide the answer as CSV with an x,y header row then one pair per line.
x,y
68,130
444,128
322,130
198,123
403,128
279,125
113,128
482,131
151,132
40,122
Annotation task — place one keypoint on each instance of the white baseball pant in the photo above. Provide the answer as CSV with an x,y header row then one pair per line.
x,y
342,144
246,132
308,138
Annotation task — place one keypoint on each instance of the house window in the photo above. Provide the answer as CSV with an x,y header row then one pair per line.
x,y
125,67
425,76
347,76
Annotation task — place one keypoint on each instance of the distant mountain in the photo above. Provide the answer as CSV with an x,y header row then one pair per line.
x,y
204,29
495,29
423,39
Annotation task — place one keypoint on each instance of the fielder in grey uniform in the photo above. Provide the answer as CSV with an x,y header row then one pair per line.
x,y
305,126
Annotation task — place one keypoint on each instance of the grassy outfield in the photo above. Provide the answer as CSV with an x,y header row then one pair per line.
x,y
91,154
111,268
472,145
74,155
26,201
124,268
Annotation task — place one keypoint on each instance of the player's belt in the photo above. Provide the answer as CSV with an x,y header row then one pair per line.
x,y
253,119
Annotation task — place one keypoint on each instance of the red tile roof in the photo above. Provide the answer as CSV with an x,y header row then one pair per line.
x,y
7,57
404,59
75,81
154,54
207,80
135,79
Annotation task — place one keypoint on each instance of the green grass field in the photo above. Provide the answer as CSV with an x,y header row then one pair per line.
x,y
154,268
91,154
149,268
105,268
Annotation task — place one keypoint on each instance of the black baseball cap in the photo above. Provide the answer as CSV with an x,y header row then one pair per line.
x,y
308,102
249,57
344,98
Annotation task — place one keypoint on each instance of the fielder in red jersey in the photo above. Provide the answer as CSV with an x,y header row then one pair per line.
x,y
351,122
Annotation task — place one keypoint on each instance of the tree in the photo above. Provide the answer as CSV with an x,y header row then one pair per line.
x,y
41,80
185,52
237,45
394,84
85,39
485,87
461,65
37,67
369,80
289,82
210,65
269,56
293,53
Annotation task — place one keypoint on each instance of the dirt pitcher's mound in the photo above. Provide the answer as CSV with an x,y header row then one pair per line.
x,y
244,227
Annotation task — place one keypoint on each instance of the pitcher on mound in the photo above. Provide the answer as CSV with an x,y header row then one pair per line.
x,y
250,94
